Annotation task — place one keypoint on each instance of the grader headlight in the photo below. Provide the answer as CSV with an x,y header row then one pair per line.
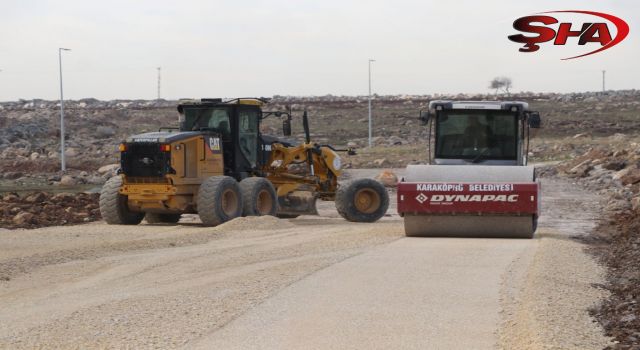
x,y
337,162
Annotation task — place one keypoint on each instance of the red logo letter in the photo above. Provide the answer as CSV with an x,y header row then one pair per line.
x,y
604,36
524,25
564,31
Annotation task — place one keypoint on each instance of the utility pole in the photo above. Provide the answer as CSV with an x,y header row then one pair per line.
x,y
63,166
159,69
370,120
603,73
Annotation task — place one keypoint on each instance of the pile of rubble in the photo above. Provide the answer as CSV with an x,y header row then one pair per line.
x,y
616,242
620,251
589,96
30,139
92,103
40,209
86,103
616,174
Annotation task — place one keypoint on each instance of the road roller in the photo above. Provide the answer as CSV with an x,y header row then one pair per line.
x,y
477,182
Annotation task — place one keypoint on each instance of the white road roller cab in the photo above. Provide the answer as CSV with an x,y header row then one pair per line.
x,y
477,182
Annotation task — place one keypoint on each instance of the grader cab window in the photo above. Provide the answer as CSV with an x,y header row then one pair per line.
x,y
248,134
210,118
474,134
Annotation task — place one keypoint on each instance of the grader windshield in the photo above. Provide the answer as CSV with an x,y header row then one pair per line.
x,y
207,117
476,134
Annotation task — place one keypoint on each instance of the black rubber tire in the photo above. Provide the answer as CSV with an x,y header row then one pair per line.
x,y
346,201
155,218
113,205
213,199
254,190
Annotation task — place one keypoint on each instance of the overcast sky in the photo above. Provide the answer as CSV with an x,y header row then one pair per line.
x,y
293,47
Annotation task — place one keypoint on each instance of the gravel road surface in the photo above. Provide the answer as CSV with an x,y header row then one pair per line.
x,y
310,282
410,294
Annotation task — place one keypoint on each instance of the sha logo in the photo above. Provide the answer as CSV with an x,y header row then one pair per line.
x,y
596,31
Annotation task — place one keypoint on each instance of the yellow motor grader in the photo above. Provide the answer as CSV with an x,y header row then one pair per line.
x,y
218,164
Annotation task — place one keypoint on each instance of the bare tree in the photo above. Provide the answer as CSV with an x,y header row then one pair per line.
x,y
501,83
507,83
495,84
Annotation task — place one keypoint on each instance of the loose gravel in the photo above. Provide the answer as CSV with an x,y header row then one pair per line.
x,y
548,292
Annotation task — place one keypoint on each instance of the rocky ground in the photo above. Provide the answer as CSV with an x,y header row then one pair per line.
x,y
40,209
30,139
615,175
29,136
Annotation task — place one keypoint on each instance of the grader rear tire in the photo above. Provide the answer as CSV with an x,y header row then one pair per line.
x,y
154,218
362,200
113,205
219,200
258,197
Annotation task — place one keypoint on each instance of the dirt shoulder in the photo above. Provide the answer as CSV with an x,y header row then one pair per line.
x,y
614,173
548,292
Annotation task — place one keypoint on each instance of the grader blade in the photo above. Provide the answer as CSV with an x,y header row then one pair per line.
x,y
297,204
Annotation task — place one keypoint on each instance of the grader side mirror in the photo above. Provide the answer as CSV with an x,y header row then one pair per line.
x,y
534,120
286,127
424,117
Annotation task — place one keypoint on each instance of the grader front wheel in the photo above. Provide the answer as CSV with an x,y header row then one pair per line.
x,y
362,200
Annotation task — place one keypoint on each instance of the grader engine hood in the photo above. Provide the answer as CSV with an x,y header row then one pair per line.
x,y
146,155
162,136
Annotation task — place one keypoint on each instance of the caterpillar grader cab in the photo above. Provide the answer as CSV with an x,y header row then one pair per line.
x,y
218,164
477,182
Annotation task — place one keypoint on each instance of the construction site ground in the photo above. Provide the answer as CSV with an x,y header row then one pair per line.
x,y
310,282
